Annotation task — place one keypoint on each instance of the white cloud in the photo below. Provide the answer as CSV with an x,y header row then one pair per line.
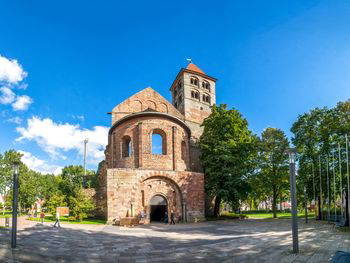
x,y
11,71
7,95
39,165
16,120
22,103
57,138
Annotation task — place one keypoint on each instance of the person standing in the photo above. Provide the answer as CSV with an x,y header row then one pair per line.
x,y
42,217
57,219
172,217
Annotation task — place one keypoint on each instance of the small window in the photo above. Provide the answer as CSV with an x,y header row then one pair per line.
x,y
206,85
158,142
206,98
195,94
194,81
175,93
126,146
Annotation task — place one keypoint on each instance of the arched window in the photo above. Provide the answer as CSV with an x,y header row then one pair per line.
x,y
158,142
194,81
183,150
206,85
195,94
126,146
206,98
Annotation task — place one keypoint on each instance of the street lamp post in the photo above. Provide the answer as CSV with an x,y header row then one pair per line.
x,y
292,153
14,205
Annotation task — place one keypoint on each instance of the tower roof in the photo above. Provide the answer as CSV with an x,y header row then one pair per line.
x,y
193,67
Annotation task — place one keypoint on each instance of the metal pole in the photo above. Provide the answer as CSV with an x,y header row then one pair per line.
x,y
328,196
85,146
313,183
347,171
305,204
294,203
341,183
14,209
321,212
85,142
334,191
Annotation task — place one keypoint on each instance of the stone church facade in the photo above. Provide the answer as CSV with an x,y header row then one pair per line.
x,y
136,179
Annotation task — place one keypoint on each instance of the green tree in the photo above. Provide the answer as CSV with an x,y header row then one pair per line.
x,y
80,205
273,164
56,200
227,154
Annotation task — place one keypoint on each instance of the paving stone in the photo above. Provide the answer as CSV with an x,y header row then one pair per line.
x,y
228,241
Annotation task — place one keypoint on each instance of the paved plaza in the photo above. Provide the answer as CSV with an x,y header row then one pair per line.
x,y
220,241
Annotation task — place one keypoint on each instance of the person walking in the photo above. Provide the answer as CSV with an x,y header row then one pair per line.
x,y
172,217
42,217
57,220
166,219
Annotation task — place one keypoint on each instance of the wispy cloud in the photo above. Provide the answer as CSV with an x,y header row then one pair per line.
x,y
39,165
57,138
16,120
11,71
7,95
11,77
22,103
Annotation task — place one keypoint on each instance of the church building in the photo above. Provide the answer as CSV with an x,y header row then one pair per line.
x,y
152,160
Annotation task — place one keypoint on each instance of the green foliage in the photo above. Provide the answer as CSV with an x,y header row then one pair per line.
x,y
56,200
271,178
80,205
318,134
6,169
60,190
228,153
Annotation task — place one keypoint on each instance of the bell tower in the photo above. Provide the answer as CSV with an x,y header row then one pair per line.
x,y
193,94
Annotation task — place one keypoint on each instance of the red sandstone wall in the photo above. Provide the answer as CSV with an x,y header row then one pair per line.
x,y
141,101
140,131
125,186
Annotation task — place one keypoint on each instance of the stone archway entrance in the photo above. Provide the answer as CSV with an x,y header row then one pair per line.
x,y
158,207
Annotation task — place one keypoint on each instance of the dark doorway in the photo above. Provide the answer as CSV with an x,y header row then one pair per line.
x,y
158,206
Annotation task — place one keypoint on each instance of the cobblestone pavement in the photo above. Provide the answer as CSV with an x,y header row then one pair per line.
x,y
223,241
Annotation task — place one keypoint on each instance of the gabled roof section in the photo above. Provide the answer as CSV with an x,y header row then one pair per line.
x,y
144,101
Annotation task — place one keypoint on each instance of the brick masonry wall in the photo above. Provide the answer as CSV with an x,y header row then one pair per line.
x,y
141,101
130,190
140,130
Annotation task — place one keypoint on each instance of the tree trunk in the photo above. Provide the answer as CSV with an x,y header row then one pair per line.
x,y
274,202
281,201
217,206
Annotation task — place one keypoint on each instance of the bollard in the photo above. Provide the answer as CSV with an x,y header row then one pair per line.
x,y
7,222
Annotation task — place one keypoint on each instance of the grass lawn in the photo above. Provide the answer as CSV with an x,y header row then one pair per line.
x,y
64,219
279,215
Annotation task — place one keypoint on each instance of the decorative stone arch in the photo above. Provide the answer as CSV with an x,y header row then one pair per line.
x,y
136,105
151,104
174,195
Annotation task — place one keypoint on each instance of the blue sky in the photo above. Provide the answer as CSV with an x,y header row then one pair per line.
x,y
273,60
